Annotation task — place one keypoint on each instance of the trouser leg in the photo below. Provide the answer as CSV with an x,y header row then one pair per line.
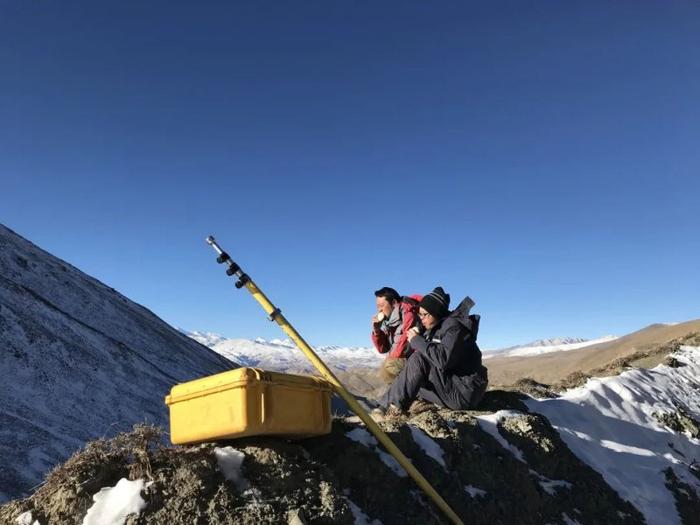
x,y
420,379
390,369
410,380
454,392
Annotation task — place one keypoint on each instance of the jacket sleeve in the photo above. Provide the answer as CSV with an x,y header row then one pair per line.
x,y
441,353
400,345
380,341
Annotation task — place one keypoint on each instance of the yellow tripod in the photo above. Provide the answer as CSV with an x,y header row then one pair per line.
x,y
274,314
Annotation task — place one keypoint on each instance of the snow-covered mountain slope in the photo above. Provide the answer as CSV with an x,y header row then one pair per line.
x,y
78,361
283,356
620,426
545,346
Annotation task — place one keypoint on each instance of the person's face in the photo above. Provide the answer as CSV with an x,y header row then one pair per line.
x,y
384,306
426,319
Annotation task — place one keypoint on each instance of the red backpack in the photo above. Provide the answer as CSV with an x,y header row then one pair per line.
x,y
409,305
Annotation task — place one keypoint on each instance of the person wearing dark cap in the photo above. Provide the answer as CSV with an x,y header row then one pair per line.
x,y
445,367
395,316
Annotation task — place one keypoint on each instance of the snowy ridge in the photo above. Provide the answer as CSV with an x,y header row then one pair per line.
x,y
545,346
609,423
282,355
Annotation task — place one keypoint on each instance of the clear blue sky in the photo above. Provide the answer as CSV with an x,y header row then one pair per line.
x,y
542,157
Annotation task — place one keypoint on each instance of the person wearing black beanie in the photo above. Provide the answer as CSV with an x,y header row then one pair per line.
x,y
437,303
445,367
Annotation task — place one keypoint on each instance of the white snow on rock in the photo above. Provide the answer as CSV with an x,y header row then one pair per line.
x,y
26,518
475,492
609,424
569,521
550,486
391,462
360,517
429,446
230,461
489,423
363,437
113,504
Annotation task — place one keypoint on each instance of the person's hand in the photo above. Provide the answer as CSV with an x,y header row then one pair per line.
x,y
376,321
412,332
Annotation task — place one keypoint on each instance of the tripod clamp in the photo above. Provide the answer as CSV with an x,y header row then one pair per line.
x,y
233,268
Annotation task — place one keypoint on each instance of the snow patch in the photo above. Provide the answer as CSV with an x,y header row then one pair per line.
x,y
360,517
429,446
550,485
391,462
489,423
475,492
363,437
230,461
568,520
26,518
113,504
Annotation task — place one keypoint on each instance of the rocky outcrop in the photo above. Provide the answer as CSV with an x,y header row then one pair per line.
x,y
342,477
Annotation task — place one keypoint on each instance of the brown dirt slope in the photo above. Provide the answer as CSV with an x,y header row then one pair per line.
x,y
555,367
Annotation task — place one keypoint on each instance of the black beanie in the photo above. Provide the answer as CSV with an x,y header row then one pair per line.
x,y
436,303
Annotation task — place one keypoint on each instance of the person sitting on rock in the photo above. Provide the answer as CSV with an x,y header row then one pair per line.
x,y
445,367
390,325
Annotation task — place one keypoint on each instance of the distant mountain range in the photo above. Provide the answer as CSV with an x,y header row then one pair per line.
x,y
282,354
546,346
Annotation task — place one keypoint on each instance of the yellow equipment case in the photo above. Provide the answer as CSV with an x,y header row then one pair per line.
x,y
249,402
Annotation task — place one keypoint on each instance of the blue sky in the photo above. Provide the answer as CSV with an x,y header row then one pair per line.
x,y
541,157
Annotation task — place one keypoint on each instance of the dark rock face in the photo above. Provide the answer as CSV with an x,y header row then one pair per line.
x,y
78,361
680,421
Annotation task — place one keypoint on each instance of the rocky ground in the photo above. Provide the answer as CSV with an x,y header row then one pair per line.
x,y
339,479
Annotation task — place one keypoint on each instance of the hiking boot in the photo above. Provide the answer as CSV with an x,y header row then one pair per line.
x,y
393,412
390,412
419,406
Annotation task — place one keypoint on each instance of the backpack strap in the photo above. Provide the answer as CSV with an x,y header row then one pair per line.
x,y
475,324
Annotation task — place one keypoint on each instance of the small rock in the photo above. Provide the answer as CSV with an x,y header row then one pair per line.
x,y
296,517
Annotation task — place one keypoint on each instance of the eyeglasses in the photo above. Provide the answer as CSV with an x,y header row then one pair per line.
x,y
422,315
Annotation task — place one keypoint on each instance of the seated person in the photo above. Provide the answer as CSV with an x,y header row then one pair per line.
x,y
395,316
445,367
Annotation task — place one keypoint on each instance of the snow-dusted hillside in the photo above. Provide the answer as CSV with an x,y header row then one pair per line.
x,y
620,427
545,346
283,356
78,361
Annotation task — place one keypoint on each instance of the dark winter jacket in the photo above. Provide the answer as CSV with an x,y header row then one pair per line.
x,y
451,346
